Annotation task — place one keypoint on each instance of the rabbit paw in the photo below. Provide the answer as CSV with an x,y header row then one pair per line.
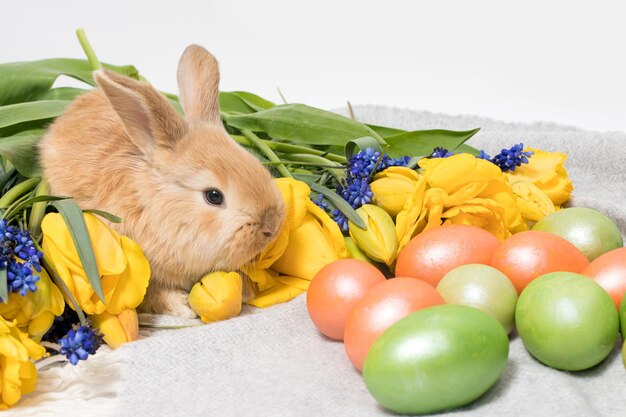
x,y
172,302
177,304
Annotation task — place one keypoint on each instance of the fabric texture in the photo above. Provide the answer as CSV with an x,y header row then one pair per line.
x,y
273,362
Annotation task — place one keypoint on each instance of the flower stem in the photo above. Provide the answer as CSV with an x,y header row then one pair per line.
x,y
18,191
261,146
289,148
38,211
91,55
319,160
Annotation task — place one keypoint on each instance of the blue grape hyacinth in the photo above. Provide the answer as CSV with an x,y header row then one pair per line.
x,y
361,168
79,343
509,159
19,256
319,202
341,220
440,152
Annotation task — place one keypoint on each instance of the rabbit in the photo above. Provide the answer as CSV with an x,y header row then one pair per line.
x,y
193,199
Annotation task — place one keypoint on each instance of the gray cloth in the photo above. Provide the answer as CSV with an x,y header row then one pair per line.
x,y
273,362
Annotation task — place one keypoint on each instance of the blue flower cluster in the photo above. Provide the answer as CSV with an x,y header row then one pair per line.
x,y
79,343
507,159
439,152
319,202
356,188
19,256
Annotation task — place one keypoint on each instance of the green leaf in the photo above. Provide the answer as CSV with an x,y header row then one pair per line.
x,y
385,131
335,199
21,150
105,215
302,124
28,81
258,103
62,93
361,144
4,288
73,217
29,201
33,110
464,148
422,142
232,103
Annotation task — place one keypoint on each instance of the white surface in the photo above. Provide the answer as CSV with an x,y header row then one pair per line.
x,y
563,61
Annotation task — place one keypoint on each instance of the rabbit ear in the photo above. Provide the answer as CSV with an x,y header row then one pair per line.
x,y
148,118
198,81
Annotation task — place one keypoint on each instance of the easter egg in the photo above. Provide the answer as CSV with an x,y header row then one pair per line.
x,y
528,255
589,230
432,254
436,359
609,271
382,306
482,287
337,288
566,321
622,317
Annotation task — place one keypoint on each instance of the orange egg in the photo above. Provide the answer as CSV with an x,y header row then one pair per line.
x,y
382,306
337,288
432,254
609,271
528,255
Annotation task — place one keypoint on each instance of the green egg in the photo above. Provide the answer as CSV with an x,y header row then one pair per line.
x,y
567,321
589,230
436,359
622,316
482,287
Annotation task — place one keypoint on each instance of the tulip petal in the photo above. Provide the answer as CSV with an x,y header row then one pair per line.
x,y
131,284
309,250
279,293
117,329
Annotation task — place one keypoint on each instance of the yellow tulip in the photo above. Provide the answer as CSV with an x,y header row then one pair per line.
x,y
379,241
314,239
217,296
533,203
547,172
35,311
392,187
124,273
17,371
460,189
117,329
308,240
481,212
462,173
123,268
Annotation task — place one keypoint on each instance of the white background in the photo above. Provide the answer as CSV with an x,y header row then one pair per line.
x,y
561,61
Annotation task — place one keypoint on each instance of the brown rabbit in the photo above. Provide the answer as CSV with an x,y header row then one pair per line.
x,y
193,199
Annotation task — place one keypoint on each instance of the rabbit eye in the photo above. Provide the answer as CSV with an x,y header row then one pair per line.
x,y
214,196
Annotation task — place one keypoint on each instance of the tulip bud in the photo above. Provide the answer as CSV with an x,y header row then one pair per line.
x,y
355,252
392,187
117,329
218,296
379,241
